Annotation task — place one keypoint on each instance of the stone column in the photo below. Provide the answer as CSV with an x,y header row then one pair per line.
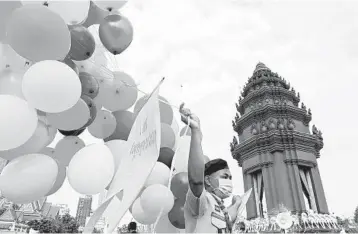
x,y
300,205
320,197
268,187
251,205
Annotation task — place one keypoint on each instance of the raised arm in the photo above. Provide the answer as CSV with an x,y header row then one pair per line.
x,y
196,164
196,201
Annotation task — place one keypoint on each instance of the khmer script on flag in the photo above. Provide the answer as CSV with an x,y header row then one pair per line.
x,y
140,156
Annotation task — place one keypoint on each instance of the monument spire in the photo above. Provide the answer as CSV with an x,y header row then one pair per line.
x,y
276,149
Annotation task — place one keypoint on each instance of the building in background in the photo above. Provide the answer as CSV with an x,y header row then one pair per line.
x,y
83,210
101,223
64,209
276,149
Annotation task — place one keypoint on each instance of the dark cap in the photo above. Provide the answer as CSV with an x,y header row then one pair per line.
x,y
215,165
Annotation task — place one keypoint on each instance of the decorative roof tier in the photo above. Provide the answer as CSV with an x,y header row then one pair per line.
x,y
263,74
260,66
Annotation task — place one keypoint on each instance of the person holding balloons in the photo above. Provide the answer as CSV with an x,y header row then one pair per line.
x,y
209,184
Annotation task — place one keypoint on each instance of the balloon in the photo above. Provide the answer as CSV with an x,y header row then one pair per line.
x,y
93,163
187,130
92,108
74,118
52,132
166,156
17,123
155,198
180,185
110,5
71,64
164,226
72,12
168,136
50,91
61,176
159,175
28,178
6,9
104,125
48,151
176,215
37,33
166,111
139,215
116,33
175,128
125,120
73,132
11,83
90,86
206,159
121,93
11,60
82,43
26,2
95,15
66,148
36,142
117,148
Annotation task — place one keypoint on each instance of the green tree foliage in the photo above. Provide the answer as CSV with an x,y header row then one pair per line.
x,y
356,215
63,224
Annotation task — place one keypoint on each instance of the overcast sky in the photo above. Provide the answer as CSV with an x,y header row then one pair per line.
x,y
211,47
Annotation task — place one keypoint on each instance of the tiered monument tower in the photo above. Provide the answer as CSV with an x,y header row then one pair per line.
x,y
276,150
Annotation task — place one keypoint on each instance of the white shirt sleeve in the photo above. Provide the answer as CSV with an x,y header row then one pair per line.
x,y
197,206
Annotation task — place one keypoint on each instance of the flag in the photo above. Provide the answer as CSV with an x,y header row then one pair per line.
x,y
140,156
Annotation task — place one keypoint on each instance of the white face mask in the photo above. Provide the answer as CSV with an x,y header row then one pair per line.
x,y
225,188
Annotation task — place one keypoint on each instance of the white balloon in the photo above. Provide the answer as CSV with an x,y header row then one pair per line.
x,y
104,125
28,178
91,169
72,12
71,119
139,215
66,148
110,5
61,176
12,60
51,86
35,144
159,175
117,148
155,198
18,122
11,83
26,2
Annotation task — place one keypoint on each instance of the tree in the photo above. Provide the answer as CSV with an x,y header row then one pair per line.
x,y
356,215
62,224
45,225
68,224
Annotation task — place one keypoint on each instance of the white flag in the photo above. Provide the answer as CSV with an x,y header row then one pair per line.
x,y
140,156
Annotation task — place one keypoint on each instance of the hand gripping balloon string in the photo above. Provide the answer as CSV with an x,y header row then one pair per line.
x,y
171,172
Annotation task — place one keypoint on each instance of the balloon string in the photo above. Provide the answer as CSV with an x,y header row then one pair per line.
x,y
172,172
108,72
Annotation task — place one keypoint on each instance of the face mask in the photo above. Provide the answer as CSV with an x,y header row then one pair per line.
x,y
225,188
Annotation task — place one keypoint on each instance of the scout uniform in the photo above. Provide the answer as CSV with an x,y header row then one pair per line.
x,y
206,214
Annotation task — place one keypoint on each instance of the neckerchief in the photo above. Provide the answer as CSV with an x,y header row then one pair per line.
x,y
226,213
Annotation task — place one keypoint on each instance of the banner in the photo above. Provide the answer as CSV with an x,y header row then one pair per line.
x,y
140,156
244,200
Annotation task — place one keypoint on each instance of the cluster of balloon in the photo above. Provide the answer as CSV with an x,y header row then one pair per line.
x,y
43,91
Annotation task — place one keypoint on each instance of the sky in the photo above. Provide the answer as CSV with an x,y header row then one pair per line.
x,y
207,50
